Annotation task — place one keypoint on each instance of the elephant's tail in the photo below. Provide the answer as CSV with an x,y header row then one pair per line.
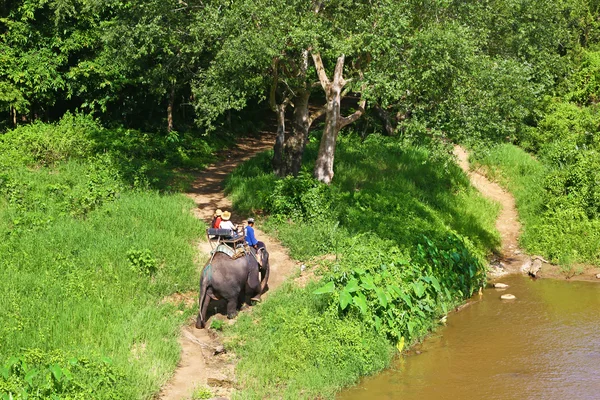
x,y
203,299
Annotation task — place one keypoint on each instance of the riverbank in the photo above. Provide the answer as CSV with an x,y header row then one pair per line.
x,y
372,295
515,178
550,330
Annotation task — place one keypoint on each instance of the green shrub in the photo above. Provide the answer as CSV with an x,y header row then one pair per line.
x,y
41,375
558,205
396,296
46,144
86,260
302,198
142,261
388,283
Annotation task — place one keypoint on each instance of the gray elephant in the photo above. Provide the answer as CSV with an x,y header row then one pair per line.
x,y
232,280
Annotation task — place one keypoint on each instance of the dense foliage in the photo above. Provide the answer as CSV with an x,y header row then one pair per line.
x,y
408,234
85,253
88,251
558,191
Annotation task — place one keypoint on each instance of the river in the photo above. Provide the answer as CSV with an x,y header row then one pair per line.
x,y
543,345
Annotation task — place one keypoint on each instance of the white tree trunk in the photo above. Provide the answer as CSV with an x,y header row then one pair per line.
x,y
333,119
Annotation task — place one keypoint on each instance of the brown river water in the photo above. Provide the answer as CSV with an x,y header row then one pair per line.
x,y
543,345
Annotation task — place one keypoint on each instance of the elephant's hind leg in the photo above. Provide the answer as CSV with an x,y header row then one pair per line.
x,y
232,307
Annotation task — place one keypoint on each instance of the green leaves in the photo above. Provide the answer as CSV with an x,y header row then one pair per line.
x,y
400,299
345,299
361,302
381,296
329,287
418,288
39,375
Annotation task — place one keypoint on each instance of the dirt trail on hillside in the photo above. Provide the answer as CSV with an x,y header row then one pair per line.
x,y
199,366
508,225
512,259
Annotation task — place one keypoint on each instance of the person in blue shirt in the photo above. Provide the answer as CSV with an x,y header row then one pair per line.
x,y
250,237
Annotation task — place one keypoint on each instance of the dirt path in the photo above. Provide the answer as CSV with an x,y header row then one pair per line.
x,y
511,256
512,259
199,366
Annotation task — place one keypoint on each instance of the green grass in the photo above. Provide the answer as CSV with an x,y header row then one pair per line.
x,y
385,198
553,224
305,354
381,187
86,260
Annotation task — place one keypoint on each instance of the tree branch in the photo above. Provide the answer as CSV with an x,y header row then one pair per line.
x,y
316,114
321,71
339,70
354,116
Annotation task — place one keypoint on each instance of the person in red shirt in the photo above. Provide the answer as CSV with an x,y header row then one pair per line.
x,y
216,221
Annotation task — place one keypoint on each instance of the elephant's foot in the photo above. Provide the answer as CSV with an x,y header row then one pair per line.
x,y
232,315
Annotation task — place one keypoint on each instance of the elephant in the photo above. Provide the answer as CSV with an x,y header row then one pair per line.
x,y
224,277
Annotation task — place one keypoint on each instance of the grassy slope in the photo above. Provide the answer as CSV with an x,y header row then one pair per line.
x,y
381,186
556,233
296,344
76,243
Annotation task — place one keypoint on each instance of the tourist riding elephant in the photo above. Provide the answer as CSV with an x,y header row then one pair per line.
x,y
224,277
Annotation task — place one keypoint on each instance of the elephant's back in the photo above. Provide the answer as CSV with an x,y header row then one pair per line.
x,y
228,271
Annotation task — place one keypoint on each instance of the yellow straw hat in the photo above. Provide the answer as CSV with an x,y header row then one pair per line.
x,y
226,215
218,213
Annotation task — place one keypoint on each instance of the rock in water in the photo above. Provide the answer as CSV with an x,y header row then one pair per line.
x,y
526,266
535,268
508,297
499,285
532,267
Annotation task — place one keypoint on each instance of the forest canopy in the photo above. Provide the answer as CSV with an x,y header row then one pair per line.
x,y
464,69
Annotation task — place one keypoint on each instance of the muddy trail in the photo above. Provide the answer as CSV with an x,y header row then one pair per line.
x,y
202,363
512,259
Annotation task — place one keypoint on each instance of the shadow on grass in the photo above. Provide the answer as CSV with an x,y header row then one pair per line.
x,y
382,186
159,161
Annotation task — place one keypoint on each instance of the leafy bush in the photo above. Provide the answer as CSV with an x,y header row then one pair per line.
x,y
46,144
301,198
400,298
41,375
142,261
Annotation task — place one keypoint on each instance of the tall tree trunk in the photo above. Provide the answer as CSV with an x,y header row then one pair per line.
x,y
278,163
295,143
289,150
278,156
333,119
170,109
14,110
